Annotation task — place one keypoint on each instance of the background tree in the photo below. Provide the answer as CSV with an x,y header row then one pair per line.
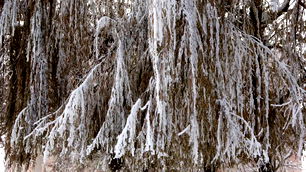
x,y
163,84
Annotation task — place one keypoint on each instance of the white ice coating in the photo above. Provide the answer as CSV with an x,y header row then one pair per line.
x,y
72,119
17,125
159,71
128,133
8,19
149,143
226,58
157,20
103,23
190,12
120,91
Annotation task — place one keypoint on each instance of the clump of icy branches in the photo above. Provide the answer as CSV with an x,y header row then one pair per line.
x,y
174,85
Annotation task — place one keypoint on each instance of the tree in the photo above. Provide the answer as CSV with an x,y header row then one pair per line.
x,y
189,84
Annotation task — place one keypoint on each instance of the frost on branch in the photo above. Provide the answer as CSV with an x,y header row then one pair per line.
x,y
71,125
8,19
128,132
172,84
115,116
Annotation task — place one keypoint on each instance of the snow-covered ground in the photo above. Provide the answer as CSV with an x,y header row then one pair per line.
x,y
2,168
304,161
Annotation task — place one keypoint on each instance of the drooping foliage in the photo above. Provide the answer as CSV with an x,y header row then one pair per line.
x,y
156,84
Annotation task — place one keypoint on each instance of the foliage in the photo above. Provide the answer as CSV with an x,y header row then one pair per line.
x,y
163,84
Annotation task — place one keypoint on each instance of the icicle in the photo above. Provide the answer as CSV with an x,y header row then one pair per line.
x,y
219,142
8,20
159,67
149,143
157,20
186,130
190,12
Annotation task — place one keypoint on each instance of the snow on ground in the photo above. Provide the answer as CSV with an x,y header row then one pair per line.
x,y
304,161
2,168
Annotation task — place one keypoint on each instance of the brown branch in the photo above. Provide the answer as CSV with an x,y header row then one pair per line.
x,y
274,15
282,9
302,4
1,6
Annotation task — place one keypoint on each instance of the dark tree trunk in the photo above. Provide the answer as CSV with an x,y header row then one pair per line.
x,y
266,168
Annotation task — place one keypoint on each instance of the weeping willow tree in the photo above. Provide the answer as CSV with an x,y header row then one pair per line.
x,y
157,84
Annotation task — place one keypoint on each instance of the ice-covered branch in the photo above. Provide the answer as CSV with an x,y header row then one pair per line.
x,y
18,125
115,116
71,124
128,132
